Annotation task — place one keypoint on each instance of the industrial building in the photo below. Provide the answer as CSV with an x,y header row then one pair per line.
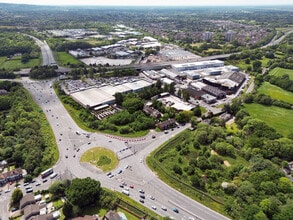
x,y
198,65
98,96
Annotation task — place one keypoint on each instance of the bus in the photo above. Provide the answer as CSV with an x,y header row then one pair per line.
x,y
47,173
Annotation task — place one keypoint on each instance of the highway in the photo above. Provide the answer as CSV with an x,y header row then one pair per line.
x,y
137,173
47,55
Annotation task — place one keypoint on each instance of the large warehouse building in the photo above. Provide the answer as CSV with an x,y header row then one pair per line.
x,y
94,97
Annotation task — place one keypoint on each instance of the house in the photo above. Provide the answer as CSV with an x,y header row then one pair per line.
x,y
86,217
167,124
152,112
26,200
30,211
111,215
3,164
10,176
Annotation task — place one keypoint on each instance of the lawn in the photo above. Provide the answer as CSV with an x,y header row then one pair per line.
x,y
15,64
278,118
65,59
102,158
281,71
276,92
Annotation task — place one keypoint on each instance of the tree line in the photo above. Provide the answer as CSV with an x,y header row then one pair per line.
x,y
21,141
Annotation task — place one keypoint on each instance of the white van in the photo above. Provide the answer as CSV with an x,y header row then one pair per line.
x,y
125,192
53,175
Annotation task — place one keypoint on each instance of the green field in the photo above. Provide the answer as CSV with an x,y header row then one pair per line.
x,y
65,59
102,158
14,64
276,92
278,118
281,71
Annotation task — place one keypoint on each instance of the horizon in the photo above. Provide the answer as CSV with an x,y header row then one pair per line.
x,y
152,3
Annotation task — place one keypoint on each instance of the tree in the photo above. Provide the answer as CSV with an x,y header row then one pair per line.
x,y
25,58
118,98
16,197
256,65
177,169
285,185
67,209
58,189
133,104
83,192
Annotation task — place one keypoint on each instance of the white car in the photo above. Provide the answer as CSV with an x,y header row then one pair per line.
x,y
154,207
164,208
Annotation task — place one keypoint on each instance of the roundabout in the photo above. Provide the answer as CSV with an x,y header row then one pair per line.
x,y
102,158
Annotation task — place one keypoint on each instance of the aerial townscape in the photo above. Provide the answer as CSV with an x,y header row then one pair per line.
x,y
155,111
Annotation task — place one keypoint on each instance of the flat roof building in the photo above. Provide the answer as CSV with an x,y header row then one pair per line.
x,y
198,65
92,97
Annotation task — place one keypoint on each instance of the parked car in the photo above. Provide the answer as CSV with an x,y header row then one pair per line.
x,y
164,208
175,210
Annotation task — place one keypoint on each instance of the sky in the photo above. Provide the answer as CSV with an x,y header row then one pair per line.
x,y
152,2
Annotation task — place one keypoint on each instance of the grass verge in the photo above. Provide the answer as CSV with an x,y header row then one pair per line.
x,y
15,64
65,59
102,158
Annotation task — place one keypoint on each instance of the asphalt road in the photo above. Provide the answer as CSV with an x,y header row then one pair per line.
x,y
48,58
72,142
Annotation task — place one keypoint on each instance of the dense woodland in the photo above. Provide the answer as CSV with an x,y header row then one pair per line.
x,y
23,141
15,43
242,169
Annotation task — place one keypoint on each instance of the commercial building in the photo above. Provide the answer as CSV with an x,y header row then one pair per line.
x,y
93,97
198,65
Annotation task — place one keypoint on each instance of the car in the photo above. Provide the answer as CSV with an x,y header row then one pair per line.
x,y
111,176
164,208
154,136
154,207
131,186
14,209
124,184
126,188
77,149
109,173
166,132
7,191
88,143
175,210
38,184
141,191
45,180
126,167
152,198
25,184
119,171
141,200
66,156
74,155
142,196
121,186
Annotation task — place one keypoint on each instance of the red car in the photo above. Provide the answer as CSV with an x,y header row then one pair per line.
x,y
131,186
